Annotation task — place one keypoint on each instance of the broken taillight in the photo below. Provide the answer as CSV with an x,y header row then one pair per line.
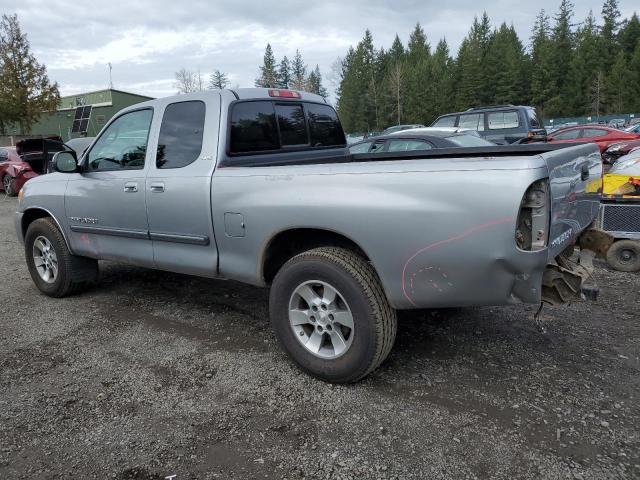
x,y
532,228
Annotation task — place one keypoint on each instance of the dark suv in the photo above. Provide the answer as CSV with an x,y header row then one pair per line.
x,y
502,124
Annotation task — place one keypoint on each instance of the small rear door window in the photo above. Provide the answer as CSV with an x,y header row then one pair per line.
x,y
180,140
293,128
502,120
253,127
449,121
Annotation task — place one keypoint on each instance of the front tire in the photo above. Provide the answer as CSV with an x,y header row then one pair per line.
x,y
330,314
54,270
624,255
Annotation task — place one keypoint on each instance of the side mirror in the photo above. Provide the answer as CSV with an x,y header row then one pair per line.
x,y
65,162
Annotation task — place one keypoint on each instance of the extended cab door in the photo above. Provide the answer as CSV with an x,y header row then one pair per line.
x,y
178,186
105,203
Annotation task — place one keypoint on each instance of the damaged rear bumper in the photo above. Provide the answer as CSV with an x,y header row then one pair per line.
x,y
569,276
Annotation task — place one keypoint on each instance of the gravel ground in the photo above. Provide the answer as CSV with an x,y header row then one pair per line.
x,y
153,374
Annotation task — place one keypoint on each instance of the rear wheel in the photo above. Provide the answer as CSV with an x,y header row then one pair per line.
x,y
7,184
54,270
624,255
330,314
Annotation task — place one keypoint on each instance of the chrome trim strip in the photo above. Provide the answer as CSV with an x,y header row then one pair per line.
x,y
115,232
179,238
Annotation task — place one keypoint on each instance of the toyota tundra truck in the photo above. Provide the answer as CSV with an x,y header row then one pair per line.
x,y
256,185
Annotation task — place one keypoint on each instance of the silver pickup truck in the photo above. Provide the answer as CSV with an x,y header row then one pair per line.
x,y
256,185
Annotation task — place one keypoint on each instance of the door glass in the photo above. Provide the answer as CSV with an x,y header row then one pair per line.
x,y
594,132
360,148
377,147
180,140
407,145
123,145
445,122
568,135
472,122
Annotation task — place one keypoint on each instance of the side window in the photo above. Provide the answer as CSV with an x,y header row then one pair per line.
x,y
360,148
533,118
594,132
568,135
473,121
378,146
501,120
180,139
293,128
253,127
123,145
324,126
449,121
407,145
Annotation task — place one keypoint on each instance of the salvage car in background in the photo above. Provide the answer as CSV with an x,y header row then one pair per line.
x,y
399,128
501,124
600,135
620,149
416,140
33,158
9,154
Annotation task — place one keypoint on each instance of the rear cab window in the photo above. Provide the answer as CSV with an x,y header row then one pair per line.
x,y
266,126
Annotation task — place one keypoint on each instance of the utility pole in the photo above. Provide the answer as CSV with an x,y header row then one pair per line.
x,y
110,79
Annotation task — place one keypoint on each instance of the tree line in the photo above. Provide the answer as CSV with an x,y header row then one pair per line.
x,y
566,69
289,74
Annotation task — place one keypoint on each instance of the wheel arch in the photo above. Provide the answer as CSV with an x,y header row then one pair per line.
x,y
287,243
32,214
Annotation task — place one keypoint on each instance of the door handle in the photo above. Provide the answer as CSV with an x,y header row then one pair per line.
x,y
157,187
130,187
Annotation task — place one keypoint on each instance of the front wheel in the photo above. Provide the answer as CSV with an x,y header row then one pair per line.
x,y
624,255
330,314
54,270
7,184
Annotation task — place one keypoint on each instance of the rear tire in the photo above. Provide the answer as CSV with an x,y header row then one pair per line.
x,y
7,184
54,270
624,255
364,323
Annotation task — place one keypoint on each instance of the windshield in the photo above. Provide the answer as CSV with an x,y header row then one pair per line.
x,y
467,140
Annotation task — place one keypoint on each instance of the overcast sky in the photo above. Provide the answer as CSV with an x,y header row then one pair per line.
x,y
147,41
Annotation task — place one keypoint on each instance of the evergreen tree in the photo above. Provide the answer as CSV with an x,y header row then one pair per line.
x,y
619,85
442,81
418,77
561,53
314,83
25,89
218,80
585,66
471,77
298,73
506,68
629,34
541,83
268,76
284,73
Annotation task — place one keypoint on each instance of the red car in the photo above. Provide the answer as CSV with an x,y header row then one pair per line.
x,y
28,159
602,136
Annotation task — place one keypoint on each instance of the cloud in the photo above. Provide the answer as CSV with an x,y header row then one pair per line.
x,y
147,41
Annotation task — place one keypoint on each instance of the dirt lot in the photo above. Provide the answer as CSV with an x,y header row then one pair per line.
x,y
153,374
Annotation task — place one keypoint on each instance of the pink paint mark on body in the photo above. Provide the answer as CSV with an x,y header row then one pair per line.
x,y
439,243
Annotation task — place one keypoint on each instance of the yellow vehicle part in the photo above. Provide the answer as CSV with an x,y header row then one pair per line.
x,y
618,184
